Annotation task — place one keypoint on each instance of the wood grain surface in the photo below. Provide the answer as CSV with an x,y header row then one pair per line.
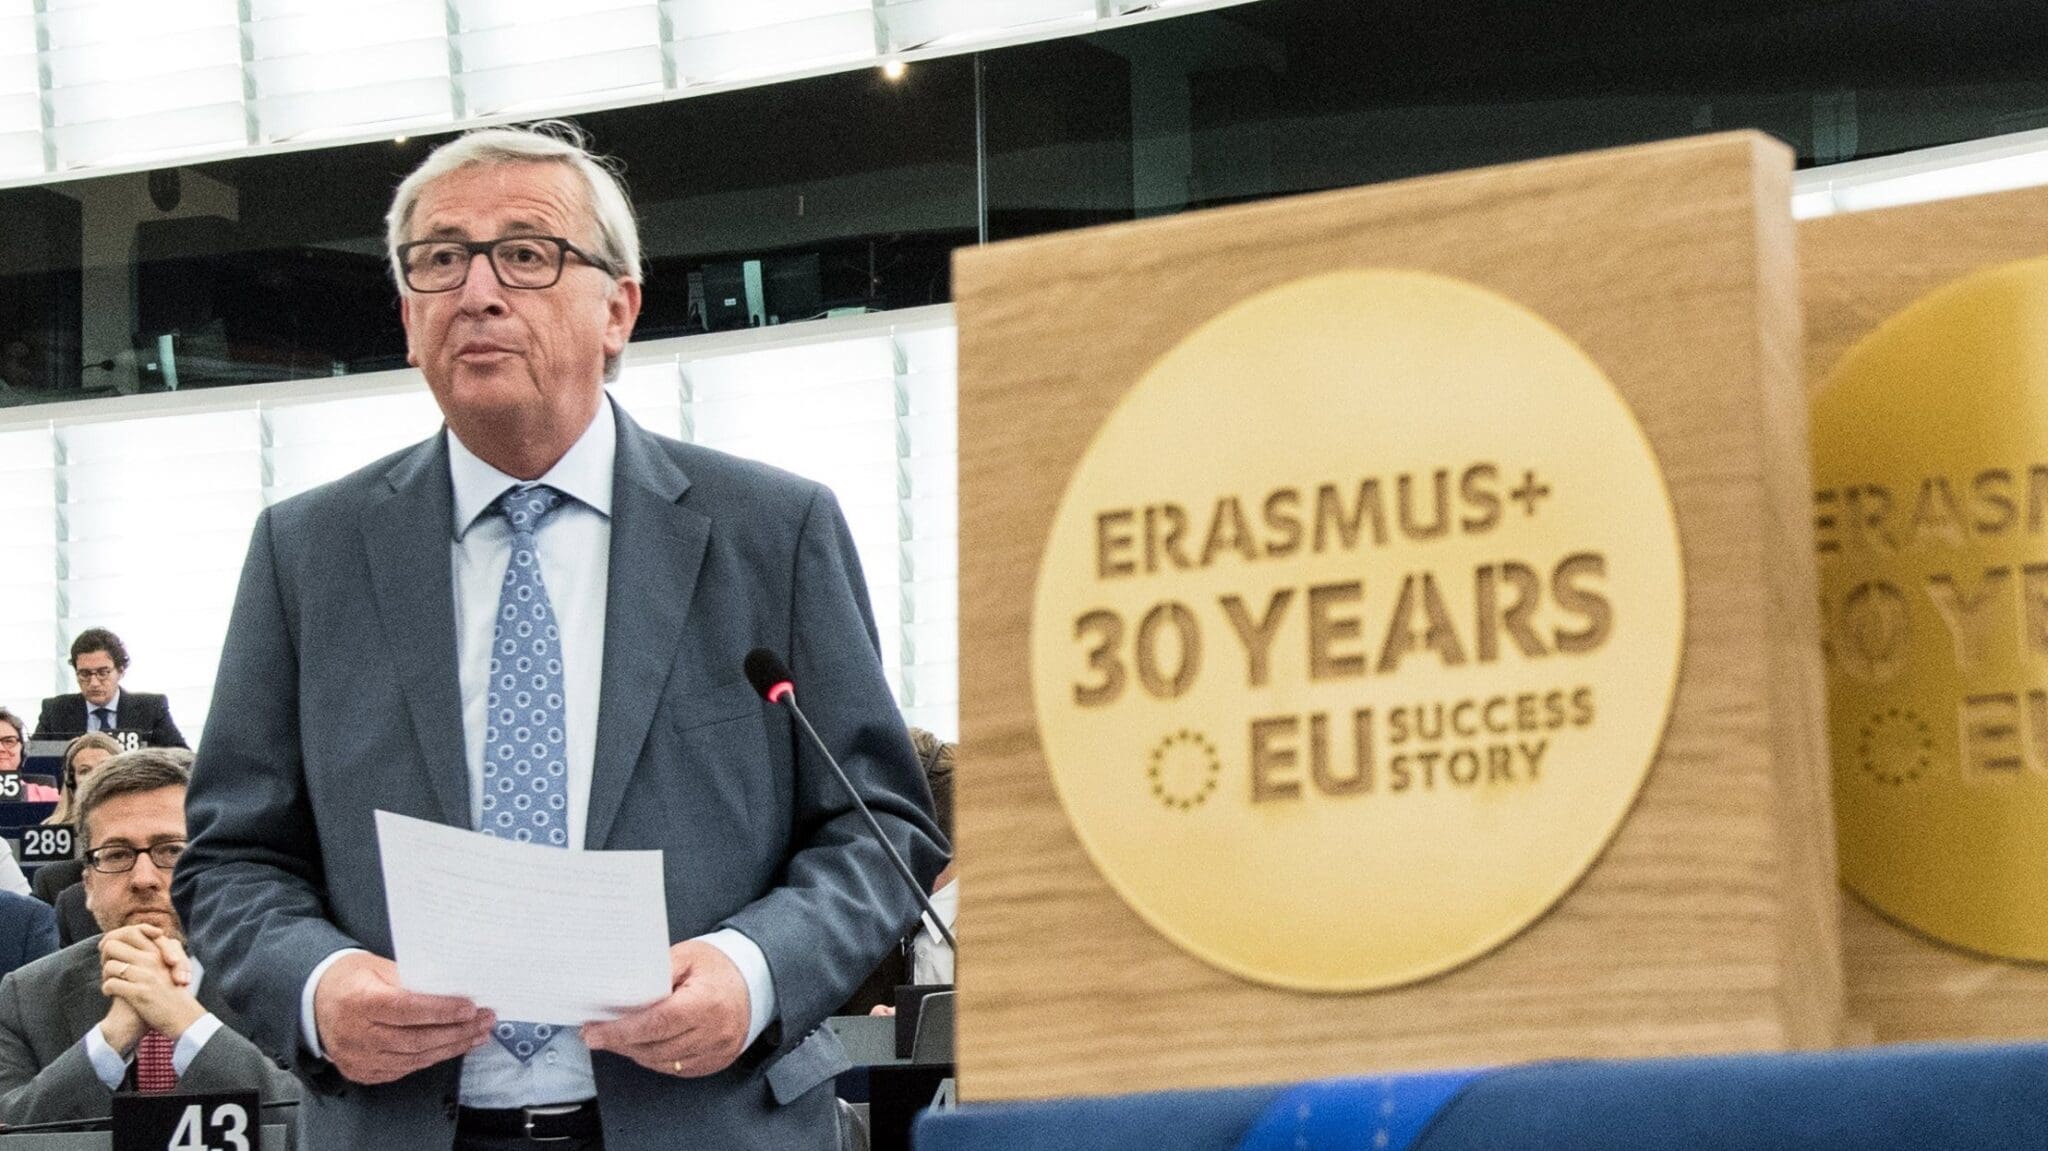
x,y
1859,270
1709,924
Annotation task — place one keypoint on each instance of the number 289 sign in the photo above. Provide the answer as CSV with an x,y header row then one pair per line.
x,y
47,843
182,1121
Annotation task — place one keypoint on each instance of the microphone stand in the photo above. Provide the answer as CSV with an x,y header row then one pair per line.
x,y
874,824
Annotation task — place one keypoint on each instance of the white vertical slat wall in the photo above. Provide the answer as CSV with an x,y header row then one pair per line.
x,y
316,67
140,523
153,517
928,530
21,91
29,624
906,25
712,43
117,84
519,56
140,79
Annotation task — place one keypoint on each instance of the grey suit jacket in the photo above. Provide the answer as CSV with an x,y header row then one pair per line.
x,y
47,1007
338,695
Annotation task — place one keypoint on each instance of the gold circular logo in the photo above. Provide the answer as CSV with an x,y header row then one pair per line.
x,y
1357,630
1930,455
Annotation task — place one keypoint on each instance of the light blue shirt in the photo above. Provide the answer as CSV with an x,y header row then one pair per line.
x,y
112,1067
575,561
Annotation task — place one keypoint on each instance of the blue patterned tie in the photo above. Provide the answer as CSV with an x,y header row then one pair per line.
x,y
526,752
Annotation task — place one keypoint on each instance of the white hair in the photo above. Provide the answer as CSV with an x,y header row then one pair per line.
x,y
550,141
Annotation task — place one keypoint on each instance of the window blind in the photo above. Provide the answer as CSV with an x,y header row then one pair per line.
x,y
123,83
135,79
909,24
537,55
316,68
718,41
21,91
29,623
153,520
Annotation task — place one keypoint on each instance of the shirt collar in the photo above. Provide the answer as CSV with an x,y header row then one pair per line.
x,y
584,473
113,705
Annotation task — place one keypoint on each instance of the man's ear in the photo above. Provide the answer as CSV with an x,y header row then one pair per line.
x,y
412,356
622,309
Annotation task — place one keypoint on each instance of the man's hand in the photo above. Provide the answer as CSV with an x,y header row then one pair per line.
x,y
698,1030
122,1028
139,967
375,1031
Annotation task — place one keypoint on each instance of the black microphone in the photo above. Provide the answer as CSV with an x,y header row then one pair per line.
x,y
770,677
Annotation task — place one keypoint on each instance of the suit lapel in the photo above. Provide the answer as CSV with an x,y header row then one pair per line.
x,y
657,549
406,533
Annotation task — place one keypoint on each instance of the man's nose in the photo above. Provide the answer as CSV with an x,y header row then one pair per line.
x,y
481,291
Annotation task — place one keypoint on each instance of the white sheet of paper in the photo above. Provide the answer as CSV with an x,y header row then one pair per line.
x,y
534,933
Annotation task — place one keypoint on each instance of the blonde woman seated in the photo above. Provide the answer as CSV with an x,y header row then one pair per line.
x,y
82,757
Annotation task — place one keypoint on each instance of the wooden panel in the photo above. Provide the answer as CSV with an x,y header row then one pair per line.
x,y
1859,270
1709,923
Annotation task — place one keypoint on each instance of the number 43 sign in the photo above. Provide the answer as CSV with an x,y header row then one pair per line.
x,y
211,1121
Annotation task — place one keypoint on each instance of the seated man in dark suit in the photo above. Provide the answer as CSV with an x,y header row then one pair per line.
x,y
99,660
130,1004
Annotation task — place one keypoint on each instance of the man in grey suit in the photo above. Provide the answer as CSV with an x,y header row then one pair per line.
x,y
76,1025
532,625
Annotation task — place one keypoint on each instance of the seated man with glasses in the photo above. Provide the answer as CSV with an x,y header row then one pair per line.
x,y
130,1007
98,660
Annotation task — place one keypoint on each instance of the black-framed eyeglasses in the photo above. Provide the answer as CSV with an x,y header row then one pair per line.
x,y
120,857
527,262
89,674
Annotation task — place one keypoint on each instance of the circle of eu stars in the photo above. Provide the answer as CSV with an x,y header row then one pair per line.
x,y
1183,769
1894,746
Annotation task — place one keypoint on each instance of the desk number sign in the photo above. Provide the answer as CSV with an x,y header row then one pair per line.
x,y
186,1121
10,785
47,843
